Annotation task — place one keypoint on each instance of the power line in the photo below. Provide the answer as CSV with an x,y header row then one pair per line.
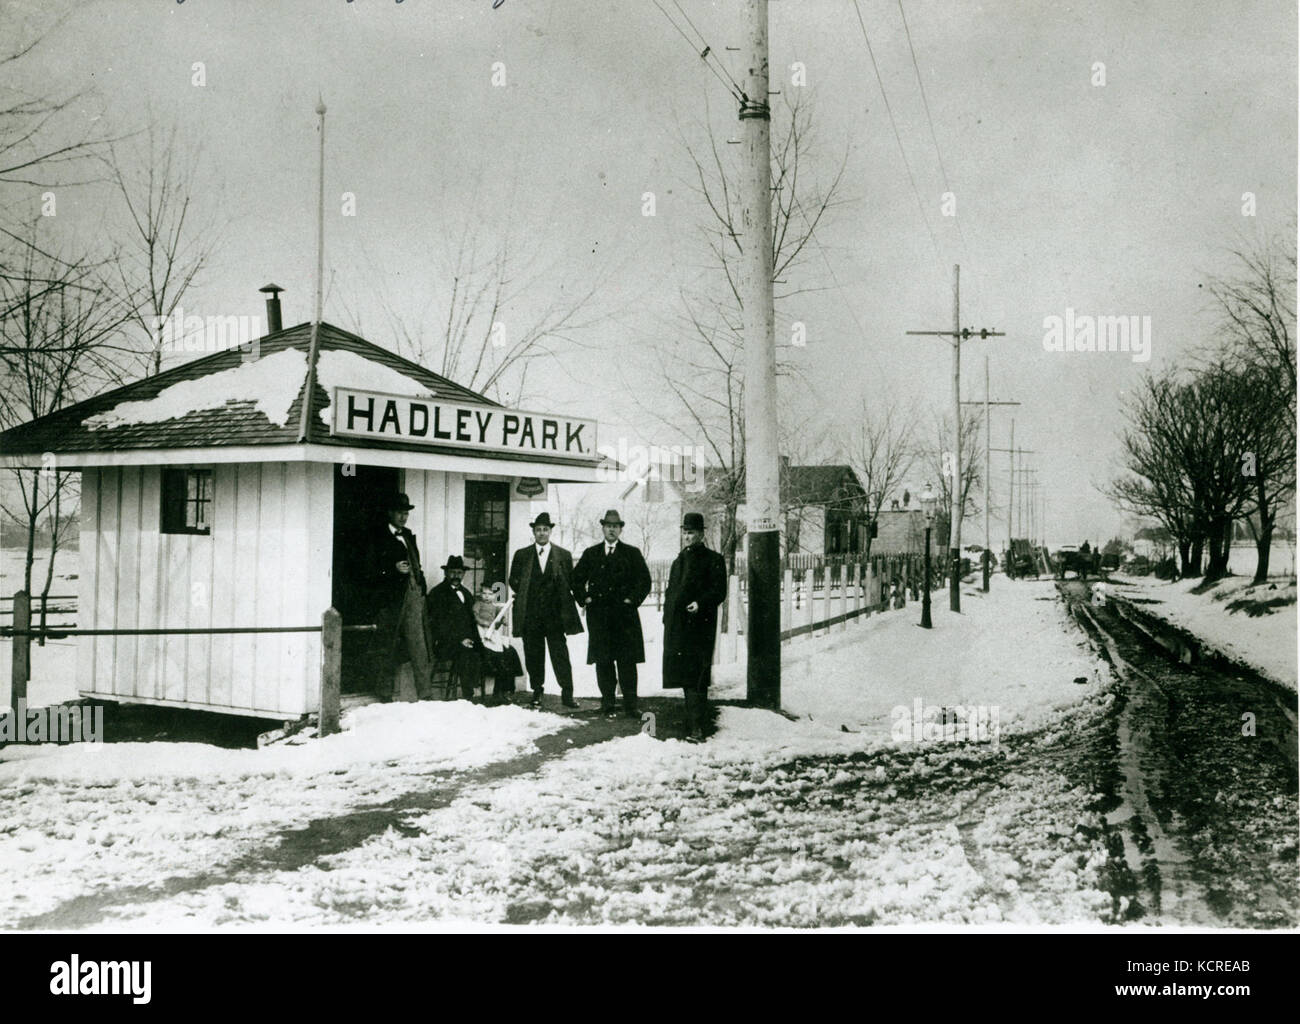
x,y
731,87
897,138
707,48
943,170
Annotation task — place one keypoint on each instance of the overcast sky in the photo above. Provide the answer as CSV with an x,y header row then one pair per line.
x,y
1114,199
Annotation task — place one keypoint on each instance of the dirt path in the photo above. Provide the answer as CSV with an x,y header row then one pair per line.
x,y
1207,794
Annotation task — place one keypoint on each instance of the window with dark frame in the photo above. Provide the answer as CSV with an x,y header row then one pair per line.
x,y
187,501
487,531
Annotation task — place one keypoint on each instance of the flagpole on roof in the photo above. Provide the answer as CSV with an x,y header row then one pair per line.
x,y
314,348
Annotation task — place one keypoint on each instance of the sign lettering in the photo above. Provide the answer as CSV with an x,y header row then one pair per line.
x,y
433,421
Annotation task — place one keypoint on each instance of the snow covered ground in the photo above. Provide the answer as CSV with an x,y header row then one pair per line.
x,y
1253,624
774,821
1012,648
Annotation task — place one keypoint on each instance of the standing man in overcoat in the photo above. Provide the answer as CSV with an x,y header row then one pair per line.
x,y
611,580
697,584
391,574
541,575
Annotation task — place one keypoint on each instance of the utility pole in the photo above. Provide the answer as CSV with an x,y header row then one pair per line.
x,y
762,480
956,502
313,348
988,468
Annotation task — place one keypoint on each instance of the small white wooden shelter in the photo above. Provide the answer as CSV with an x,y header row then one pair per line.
x,y
201,509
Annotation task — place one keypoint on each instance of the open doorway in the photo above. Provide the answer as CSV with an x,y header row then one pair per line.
x,y
358,496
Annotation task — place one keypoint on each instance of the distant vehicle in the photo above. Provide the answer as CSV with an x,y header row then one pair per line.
x,y
1021,560
1069,558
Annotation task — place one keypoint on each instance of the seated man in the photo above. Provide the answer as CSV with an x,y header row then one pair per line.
x,y
492,654
451,619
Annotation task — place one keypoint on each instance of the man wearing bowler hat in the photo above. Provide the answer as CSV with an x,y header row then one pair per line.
x,y
611,580
450,608
393,577
697,584
541,575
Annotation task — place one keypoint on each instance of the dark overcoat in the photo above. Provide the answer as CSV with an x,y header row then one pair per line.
x,y
388,592
616,585
450,618
698,575
522,568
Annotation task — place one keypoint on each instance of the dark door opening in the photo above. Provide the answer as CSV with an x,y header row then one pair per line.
x,y
358,496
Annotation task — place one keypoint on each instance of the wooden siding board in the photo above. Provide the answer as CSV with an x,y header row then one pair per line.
x,y
225,598
88,581
245,568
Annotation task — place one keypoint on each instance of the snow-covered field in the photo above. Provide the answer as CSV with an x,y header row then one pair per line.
x,y
54,665
1253,624
826,818
1011,648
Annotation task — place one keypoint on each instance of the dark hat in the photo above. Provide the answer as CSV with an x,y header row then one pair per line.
x,y
613,518
398,503
693,521
455,562
543,519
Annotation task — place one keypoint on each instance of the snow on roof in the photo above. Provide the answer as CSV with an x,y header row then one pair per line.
x,y
270,383
340,369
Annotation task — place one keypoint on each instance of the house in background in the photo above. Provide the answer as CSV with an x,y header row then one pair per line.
x,y
825,510
203,508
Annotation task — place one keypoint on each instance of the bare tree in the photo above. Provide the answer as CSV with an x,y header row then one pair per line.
x,y
939,462
168,242
881,451
1258,325
491,309
61,339
41,145
702,363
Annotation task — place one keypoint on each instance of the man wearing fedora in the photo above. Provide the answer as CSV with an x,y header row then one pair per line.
x,y
393,577
697,584
611,580
450,608
541,575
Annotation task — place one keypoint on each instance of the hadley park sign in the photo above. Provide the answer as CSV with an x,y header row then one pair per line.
x,y
432,421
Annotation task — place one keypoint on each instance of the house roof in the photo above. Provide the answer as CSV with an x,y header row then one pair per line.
x,y
228,399
822,485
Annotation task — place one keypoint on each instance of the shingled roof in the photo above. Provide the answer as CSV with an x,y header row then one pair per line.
x,y
125,419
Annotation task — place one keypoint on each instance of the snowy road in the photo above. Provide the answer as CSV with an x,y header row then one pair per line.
x,y
446,813
1205,781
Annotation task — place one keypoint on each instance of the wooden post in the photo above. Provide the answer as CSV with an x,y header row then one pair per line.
x,y
787,605
331,669
808,598
844,594
22,656
733,623
857,591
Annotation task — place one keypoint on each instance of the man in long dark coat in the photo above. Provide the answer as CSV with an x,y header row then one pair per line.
x,y
697,584
450,608
391,574
541,575
611,580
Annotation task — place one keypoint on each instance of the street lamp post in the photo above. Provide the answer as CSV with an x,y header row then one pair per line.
x,y
928,501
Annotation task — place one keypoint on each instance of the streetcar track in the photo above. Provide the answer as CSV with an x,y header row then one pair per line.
x,y
1179,842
